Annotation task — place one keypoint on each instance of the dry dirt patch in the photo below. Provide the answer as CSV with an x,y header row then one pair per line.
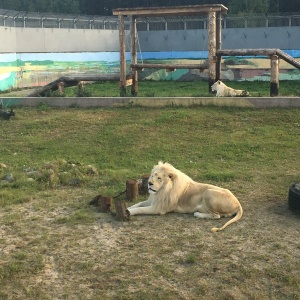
x,y
171,256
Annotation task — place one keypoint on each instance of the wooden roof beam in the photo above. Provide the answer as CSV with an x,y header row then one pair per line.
x,y
170,11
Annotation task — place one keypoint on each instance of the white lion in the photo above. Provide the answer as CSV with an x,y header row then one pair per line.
x,y
173,191
224,91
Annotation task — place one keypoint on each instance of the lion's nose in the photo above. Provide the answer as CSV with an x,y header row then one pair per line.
x,y
150,183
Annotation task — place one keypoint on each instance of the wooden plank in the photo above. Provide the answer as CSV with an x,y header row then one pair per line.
x,y
263,52
170,11
246,52
200,67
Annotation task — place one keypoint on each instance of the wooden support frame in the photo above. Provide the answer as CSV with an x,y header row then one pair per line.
x,y
273,54
214,13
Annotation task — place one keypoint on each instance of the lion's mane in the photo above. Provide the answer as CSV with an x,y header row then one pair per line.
x,y
166,199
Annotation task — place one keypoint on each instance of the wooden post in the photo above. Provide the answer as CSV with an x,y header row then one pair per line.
x,y
132,189
218,45
211,49
105,204
122,214
144,185
274,83
61,87
122,56
134,87
102,202
80,88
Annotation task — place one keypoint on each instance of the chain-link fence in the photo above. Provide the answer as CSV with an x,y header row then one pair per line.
x,y
11,18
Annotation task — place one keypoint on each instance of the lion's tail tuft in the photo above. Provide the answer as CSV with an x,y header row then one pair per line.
x,y
235,219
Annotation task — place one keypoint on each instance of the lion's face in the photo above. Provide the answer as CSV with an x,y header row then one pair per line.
x,y
159,177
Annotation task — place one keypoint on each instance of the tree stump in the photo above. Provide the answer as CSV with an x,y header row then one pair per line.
x,y
102,202
105,203
132,189
144,185
122,213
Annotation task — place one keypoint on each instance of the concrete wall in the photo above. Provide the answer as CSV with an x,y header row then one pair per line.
x,y
36,56
192,40
41,40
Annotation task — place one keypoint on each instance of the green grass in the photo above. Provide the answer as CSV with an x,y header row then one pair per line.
x,y
184,89
54,245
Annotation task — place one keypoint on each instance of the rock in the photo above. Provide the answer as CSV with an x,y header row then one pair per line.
x,y
8,177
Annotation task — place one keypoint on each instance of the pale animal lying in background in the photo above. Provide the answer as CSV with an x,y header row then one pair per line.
x,y
224,91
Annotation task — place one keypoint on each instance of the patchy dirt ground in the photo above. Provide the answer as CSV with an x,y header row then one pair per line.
x,y
150,257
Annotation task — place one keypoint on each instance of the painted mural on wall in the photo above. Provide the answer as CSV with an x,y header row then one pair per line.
x,y
19,70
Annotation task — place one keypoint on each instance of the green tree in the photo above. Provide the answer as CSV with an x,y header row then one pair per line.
x,y
248,6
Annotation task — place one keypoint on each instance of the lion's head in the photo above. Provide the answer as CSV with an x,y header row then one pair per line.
x,y
217,85
161,176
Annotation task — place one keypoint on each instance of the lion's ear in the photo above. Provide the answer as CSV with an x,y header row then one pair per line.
x,y
219,82
171,176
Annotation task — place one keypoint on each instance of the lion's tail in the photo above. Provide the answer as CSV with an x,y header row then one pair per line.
x,y
235,219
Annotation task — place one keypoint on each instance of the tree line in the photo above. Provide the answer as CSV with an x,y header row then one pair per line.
x,y
104,7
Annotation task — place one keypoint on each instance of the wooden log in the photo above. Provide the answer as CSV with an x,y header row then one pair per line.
x,y
104,204
122,56
200,67
132,189
246,52
218,45
262,52
211,49
274,82
144,185
122,213
288,58
73,80
134,86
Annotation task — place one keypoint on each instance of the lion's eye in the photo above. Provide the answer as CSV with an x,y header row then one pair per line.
x,y
159,178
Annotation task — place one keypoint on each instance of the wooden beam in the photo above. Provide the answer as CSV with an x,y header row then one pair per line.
x,y
122,56
200,67
212,44
133,34
274,81
170,11
246,52
263,52
218,45
288,58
